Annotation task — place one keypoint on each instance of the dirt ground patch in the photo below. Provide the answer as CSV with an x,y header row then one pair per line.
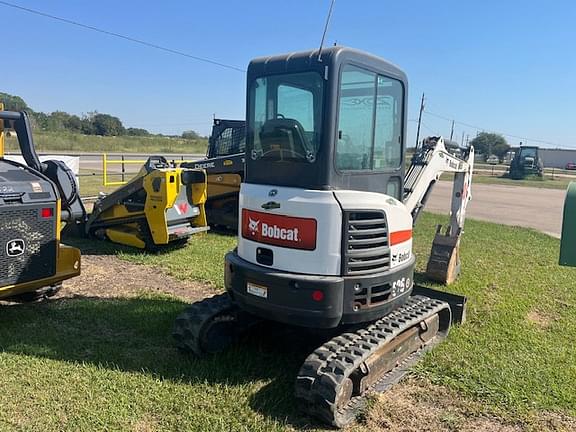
x,y
540,319
107,276
418,406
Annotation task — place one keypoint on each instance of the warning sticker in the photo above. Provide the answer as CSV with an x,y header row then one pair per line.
x,y
36,187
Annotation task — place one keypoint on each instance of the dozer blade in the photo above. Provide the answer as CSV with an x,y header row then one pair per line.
x,y
444,262
336,378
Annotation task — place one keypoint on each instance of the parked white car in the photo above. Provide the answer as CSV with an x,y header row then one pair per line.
x,y
493,160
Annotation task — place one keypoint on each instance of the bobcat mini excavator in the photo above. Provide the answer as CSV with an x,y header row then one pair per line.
x,y
34,201
326,217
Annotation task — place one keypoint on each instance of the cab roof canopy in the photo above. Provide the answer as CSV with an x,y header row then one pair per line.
x,y
331,56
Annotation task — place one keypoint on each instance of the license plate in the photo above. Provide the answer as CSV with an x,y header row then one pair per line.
x,y
257,290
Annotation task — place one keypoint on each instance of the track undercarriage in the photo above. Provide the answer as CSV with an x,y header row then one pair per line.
x,y
336,378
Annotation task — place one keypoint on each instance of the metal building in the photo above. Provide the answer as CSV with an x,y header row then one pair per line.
x,y
557,158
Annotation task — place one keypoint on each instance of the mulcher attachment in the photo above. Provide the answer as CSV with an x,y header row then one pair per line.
x,y
162,205
335,379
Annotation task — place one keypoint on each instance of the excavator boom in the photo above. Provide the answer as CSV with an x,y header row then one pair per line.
x,y
431,160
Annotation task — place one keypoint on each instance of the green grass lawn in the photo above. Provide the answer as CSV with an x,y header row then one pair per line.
x,y
517,351
91,183
546,182
201,260
87,364
73,142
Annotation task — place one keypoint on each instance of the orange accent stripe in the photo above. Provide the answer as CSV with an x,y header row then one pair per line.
x,y
400,237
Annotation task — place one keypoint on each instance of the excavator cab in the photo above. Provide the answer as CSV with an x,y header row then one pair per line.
x,y
337,123
35,200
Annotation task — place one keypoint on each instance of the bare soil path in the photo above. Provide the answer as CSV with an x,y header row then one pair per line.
x,y
536,208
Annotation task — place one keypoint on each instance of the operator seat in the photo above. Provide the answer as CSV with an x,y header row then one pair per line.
x,y
284,139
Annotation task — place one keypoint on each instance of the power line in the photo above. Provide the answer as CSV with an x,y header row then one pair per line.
x,y
172,124
120,36
435,132
484,129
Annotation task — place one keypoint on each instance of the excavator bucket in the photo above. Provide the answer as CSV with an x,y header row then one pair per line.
x,y
444,262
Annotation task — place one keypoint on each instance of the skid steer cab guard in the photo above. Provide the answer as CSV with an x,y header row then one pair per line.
x,y
568,242
162,205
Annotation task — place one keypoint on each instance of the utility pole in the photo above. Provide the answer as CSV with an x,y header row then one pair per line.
x,y
462,139
419,120
467,136
452,131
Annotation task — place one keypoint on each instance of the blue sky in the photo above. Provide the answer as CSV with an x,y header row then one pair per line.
x,y
506,66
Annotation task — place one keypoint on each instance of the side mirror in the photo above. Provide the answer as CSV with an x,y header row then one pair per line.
x,y
568,242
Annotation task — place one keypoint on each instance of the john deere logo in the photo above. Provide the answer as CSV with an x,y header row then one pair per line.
x,y
15,247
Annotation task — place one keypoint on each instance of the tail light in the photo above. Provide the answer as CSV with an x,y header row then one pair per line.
x,y
47,212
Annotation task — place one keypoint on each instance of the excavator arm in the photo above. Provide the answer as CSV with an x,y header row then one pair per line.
x,y
429,162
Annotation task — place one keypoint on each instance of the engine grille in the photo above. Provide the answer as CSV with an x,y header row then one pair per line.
x,y
372,296
365,243
22,225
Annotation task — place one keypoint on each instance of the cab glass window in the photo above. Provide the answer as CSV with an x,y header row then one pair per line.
x,y
296,103
286,117
370,121
355,119
388,125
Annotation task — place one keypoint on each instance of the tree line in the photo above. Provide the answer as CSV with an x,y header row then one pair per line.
x,y
487,143
93,123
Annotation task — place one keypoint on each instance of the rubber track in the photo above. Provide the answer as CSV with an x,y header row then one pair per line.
x,y
189,325
324,372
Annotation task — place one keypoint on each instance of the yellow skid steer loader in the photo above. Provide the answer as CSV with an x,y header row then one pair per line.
x,y
162,205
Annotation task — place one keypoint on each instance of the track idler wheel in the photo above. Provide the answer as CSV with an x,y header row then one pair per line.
x,y
210,326
336,378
